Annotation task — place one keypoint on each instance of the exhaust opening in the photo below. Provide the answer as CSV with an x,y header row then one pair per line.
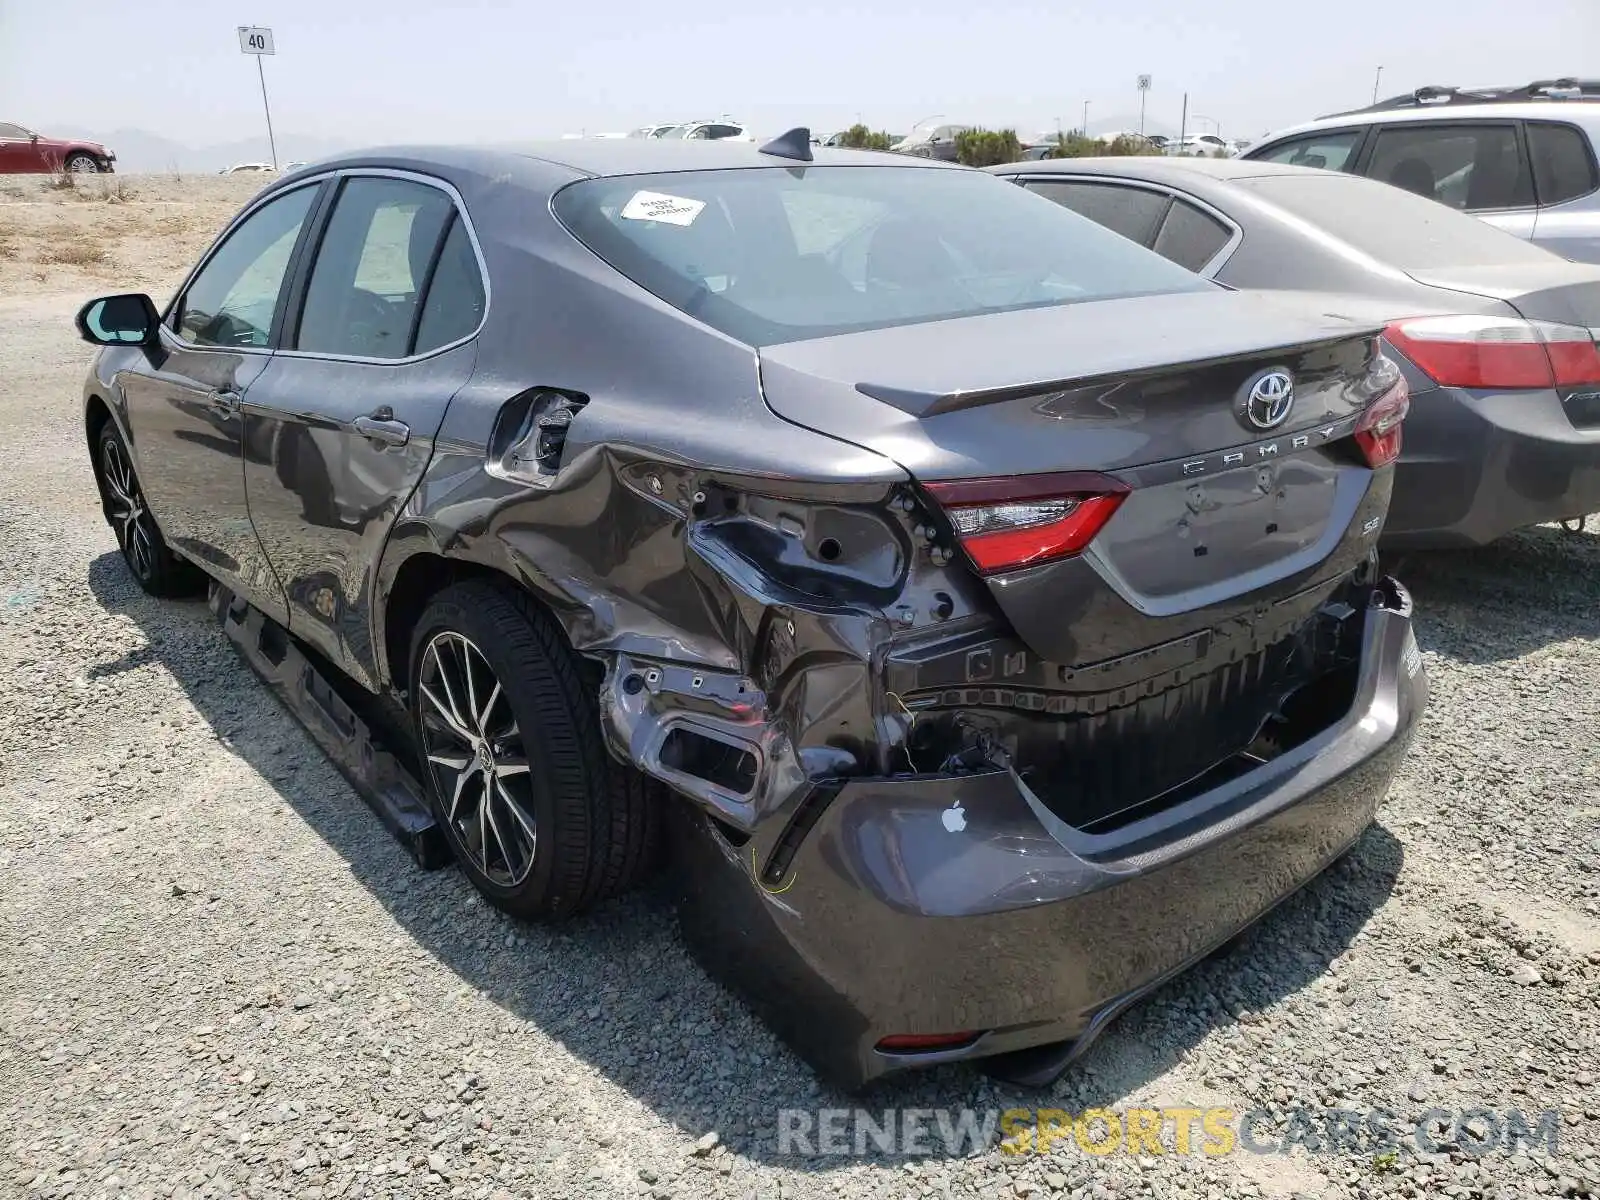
x,y
699,756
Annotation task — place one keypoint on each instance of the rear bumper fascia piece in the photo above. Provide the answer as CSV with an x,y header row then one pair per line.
x,y
1475,466
939,903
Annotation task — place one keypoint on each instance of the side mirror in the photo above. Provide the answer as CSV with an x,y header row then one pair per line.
x,y
130,319
34,137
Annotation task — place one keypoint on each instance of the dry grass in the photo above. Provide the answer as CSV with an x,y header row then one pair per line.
x,y
106,188
141,233
74,250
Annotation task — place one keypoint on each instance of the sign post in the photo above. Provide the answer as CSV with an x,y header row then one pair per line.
x,y
256,40
1144,88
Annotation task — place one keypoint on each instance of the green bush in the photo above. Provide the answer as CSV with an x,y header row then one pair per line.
x,y
987,147
1127,147
859,137
1075,145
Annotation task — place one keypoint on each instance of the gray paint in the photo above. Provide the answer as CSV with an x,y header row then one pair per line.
x,y
740,544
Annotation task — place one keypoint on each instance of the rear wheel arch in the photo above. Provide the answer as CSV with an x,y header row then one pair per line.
x,y
417,580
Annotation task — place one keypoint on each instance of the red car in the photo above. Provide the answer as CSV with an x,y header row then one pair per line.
x,y
23,152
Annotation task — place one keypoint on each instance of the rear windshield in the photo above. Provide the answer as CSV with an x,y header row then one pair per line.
x,y
781,254
1391,224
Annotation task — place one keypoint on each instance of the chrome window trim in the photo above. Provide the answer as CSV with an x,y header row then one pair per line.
x,y
318,180
1212,265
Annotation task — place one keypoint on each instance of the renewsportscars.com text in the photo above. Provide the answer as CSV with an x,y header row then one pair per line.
x,y
1211,1132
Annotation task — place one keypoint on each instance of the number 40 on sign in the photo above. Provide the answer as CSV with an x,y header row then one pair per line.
x,y
253,39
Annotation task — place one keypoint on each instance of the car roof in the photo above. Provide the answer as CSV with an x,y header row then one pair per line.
x,y
610,156
1155,168
1582,112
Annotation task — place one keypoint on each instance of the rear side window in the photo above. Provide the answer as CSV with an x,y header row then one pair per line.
x,y
1135,213
366,285
455,294
1462,165
778,254
1563,165
1331,151
1190,237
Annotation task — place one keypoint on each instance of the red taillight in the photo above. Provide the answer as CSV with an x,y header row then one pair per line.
x,y
1498,352
1022,520
921,1043
1378,432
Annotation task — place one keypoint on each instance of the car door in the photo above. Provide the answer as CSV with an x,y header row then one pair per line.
x,y
1565,180
340,426
19,152
183,401
1477,167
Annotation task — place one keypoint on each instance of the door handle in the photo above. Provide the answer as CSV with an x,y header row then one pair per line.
x,y
225,398
381,427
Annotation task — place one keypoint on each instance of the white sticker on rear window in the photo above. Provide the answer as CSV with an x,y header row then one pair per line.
x,y
656,206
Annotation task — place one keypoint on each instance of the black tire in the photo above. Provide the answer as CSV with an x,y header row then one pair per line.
x,y
152,563
80,164
595,822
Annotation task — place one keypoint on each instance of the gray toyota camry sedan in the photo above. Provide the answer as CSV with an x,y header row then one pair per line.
x,y
977,613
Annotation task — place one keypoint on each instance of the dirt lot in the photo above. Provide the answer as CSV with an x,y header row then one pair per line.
x,y
220,977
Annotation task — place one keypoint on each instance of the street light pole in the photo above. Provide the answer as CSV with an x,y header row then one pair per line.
x,y
1085,118
1375,79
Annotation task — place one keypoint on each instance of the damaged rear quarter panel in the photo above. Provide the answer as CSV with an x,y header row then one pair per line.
x,y
731,573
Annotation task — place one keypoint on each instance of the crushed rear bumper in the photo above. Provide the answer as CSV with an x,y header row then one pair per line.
x,y
933,904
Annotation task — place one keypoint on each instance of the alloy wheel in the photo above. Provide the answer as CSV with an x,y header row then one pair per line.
x,y
81,165
129,516
477,758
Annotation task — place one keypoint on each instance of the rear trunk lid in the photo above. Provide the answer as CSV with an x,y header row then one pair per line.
x,y
1561,291
1226,513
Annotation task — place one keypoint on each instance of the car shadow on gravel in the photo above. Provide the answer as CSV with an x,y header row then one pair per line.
x,y
618,990
1500,601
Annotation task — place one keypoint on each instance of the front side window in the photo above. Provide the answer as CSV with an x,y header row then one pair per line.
x,y
366,285
232,300
1135,213
14,131
1464,166
1563,166
776,254
1331,151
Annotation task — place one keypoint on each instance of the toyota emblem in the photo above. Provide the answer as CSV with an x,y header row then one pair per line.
x,y
1269,400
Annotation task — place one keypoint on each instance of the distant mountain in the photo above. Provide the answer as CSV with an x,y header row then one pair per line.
x,y
139,151
1129,123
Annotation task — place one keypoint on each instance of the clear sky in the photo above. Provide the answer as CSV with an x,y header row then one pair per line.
x,y
385,70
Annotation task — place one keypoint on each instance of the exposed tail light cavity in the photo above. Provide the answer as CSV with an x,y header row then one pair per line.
x,y
1379,430
1005,523
1498,352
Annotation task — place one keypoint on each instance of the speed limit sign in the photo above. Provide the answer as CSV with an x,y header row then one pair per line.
x,y
253,39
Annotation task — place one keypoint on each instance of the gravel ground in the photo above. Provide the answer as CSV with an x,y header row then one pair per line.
x,y
219,976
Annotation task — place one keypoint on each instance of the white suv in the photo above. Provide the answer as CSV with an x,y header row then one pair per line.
x,y
1521,158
